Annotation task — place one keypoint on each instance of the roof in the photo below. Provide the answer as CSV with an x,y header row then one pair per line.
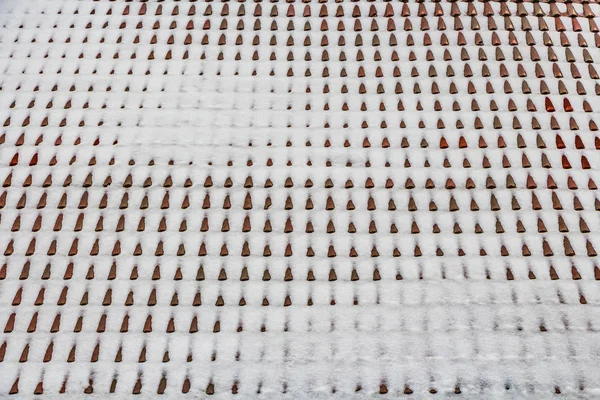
x,y
299,199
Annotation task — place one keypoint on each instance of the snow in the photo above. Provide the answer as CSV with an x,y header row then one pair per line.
x,y
451,321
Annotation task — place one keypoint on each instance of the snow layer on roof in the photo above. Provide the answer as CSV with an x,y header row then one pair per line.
x,y
343,199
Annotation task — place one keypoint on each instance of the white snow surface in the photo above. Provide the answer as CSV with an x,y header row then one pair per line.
x,y
451,321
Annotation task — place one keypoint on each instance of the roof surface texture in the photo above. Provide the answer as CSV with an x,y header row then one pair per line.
x,y
343,199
